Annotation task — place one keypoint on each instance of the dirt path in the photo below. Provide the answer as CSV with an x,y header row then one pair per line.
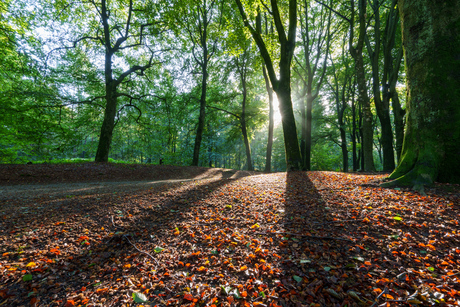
x,y
70,189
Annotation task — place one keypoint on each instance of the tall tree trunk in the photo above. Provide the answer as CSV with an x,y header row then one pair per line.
x,y
105,138
308,130
293,158
382,106
243,124
366,119
363,98
432,56
271,123
343,146
312,44
398,112
202,117
354,134
303,131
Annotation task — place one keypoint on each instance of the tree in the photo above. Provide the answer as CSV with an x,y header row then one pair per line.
x,y
383,85
315,44
431,49
341,86
282,83
119,32
356,52
201,20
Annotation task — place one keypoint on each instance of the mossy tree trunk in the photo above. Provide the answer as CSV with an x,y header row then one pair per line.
x,y
431,39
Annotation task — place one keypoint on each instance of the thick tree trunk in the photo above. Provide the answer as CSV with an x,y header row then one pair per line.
x,y
432,56
202,117
105,138
291,145
201,122
271,123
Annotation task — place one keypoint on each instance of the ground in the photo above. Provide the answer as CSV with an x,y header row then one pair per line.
x,y
125,235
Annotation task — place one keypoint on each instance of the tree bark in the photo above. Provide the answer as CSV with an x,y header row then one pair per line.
x,y
271,123
398,112
354,133
243,72
203,30
108,124
382,106
363,98
202,117
432,56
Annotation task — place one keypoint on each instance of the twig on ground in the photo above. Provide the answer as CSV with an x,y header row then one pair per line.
x,y
141,251
377,298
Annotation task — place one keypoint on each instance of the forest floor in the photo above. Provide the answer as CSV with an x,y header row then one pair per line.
x,y
127,235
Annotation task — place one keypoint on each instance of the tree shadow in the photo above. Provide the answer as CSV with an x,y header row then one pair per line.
x,y
108,233
310,245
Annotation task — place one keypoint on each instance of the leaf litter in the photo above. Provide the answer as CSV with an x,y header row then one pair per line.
x,y
281,239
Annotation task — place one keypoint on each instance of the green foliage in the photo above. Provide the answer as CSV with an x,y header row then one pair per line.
x,y
52,97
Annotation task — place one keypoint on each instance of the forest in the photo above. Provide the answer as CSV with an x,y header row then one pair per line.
x,y
229,153
312,85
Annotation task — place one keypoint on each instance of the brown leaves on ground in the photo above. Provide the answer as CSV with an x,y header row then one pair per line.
x,y
295,239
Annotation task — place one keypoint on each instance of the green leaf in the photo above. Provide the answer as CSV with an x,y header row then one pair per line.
x,y
215,252
261,293
359,258
297,278
139,297
431,269
327,269
236,294
226,289
397,218
27,277
158,249
305,261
